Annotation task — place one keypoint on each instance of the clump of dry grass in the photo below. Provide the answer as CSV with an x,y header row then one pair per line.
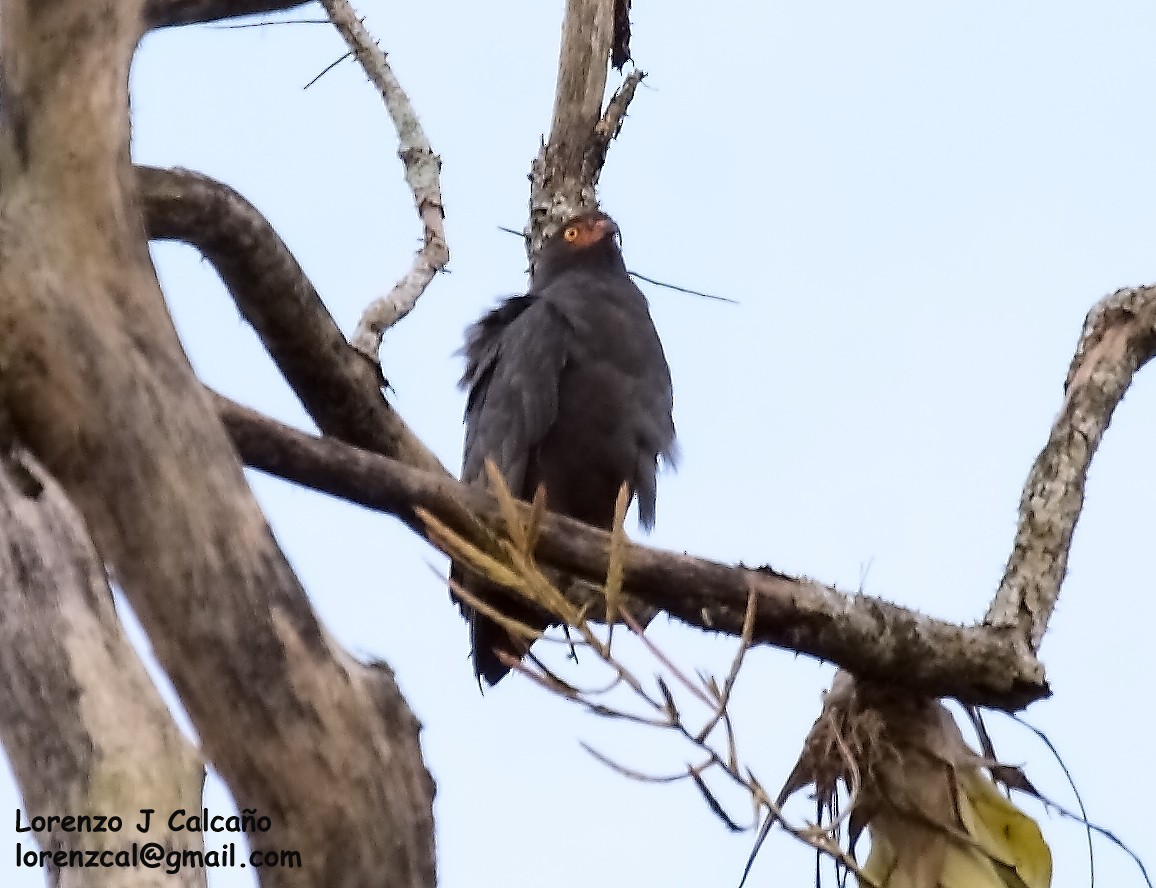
x,y
935,817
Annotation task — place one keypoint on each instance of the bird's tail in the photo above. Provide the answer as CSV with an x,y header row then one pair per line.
x,y
487,639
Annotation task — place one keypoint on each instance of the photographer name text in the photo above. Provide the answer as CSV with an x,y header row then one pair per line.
x,y
180,820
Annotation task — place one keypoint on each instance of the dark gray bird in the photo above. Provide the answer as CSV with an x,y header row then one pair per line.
x,y
568,389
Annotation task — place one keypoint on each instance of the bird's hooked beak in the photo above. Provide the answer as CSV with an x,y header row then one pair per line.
x,y
603,228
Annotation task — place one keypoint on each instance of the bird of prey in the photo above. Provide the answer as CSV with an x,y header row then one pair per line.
x,y
569,389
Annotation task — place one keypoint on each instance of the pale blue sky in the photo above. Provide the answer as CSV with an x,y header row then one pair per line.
x,y
916,204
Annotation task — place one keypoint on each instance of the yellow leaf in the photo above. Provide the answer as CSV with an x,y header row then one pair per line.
x,y
905,853
1005,833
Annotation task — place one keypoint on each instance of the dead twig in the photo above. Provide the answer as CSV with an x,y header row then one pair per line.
x,y
422,174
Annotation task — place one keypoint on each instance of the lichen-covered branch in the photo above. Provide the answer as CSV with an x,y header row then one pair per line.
x,y
422,174
1119,337
100,391
341,391
83,725
867,635
565,173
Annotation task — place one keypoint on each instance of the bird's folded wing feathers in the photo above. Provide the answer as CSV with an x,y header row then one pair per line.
x,y
514,359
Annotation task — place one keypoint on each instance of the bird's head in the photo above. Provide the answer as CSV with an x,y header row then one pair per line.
x,y
589,241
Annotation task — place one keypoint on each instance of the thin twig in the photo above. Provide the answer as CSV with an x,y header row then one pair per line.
x,y
614,116
328,68
675,287
269,24
662,658
649,280
1075,791
737,664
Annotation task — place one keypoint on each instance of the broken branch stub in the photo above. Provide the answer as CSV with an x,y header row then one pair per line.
x,y
565,173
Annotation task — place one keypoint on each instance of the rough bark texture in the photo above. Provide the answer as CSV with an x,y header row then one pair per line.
x,y
84,728
422,175
339,388
100,390
1119,338
864,634
566,171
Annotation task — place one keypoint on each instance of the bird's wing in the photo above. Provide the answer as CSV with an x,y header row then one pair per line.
x,y
654,401
652,411
614,331
514,360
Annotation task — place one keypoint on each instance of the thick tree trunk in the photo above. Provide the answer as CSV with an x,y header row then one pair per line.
x,y
99,389
85,730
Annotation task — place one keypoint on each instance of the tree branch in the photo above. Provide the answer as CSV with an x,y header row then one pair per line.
x,y
165,13
610,125
339,389
422,174
1119,338
864,634
82,723
565,173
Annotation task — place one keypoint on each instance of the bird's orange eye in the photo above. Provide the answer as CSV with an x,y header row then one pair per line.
x,y
570,234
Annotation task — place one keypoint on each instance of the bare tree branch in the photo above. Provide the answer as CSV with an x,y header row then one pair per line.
x,y
337,386
1119,338
165,13
101,392
422,174
82,723
566,171
864,634
610,125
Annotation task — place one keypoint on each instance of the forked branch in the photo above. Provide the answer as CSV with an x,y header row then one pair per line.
x,y
341,391
566,172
